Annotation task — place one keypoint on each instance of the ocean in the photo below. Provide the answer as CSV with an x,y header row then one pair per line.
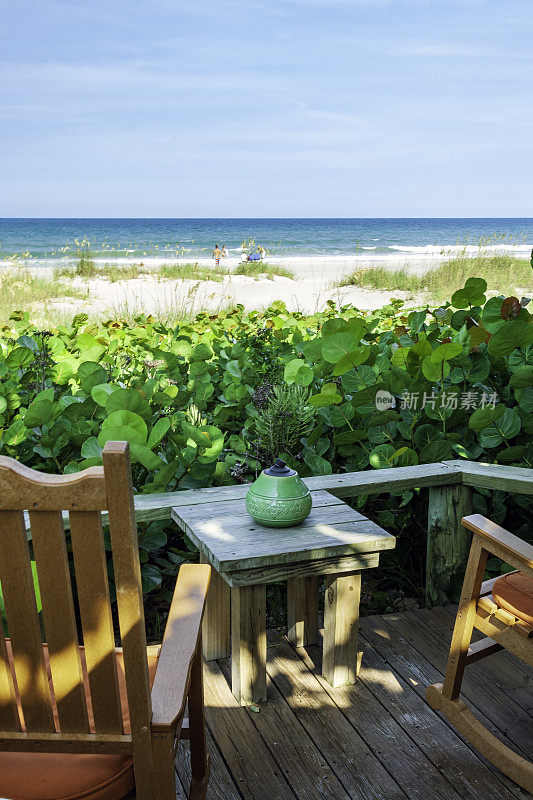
x,y
51,242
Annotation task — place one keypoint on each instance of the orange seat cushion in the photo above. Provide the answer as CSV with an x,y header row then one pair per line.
x,y
66,776
514,593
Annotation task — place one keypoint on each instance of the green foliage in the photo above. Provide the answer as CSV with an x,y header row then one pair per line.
x,y
198,406
281,424
255,269
85,268
447,277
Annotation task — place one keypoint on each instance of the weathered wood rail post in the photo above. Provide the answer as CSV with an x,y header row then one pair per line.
x,y
447,541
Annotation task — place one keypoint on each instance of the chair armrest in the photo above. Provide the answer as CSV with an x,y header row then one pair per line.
x,y
179,647
501,542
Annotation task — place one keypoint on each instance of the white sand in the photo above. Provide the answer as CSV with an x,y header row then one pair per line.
x,y
148,294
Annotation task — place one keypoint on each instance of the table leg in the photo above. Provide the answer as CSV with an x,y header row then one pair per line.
x,y
216,623
248,643
302,611
340,660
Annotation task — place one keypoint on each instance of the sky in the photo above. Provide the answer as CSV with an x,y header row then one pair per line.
x,y
266,108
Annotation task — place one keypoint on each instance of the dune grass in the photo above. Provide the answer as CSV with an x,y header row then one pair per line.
x,y
503,273
111,272
21,290
193,272
87,269
256,268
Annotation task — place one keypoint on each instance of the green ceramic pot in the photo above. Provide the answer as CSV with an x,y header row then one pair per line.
x,y
279,498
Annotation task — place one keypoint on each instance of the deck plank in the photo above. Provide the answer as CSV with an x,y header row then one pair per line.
x,y
376,740
506,715
358,768
248,759
296,754
221,785
414,668
463,768
396,750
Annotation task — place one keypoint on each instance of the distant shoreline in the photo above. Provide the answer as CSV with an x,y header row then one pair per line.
x,y
324,241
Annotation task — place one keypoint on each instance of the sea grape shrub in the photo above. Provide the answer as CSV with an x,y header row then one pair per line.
x,y
386,388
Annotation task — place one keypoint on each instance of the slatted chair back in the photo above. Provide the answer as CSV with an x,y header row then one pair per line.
x,y
54,675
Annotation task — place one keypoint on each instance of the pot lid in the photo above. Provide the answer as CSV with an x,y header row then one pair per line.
x,y
279,469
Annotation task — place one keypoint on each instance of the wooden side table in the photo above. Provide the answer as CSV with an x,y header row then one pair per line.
x,y
334,541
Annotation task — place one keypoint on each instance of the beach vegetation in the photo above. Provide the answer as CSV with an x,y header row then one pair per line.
x,y
85,267
280,421
192,272
23,288
508,273
261,269
212,400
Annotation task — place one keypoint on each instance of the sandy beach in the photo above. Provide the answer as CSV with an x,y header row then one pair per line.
x,y
313,285
315,282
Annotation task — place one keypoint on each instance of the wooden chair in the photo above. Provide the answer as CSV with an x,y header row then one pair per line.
x,y
502,609
77,716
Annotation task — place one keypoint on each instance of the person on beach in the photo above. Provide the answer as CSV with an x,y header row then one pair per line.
x,y
217,254
263,252
224,251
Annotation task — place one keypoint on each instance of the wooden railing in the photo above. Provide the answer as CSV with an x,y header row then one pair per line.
x,y
450,486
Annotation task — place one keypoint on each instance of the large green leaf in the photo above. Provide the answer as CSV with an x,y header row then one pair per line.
x,y
355,358
325,399
291,369
15,434
90,374
522,377
19,358
64,370
525,399
90,349
473,294
337,346
129,419
146,457
382,456
120,433
514,333
317,465
216,437
491,316
150,578
505,428
160,429
39,413
445,352
128,400
437,450
435,371
198,436
101,392
483,417
91,448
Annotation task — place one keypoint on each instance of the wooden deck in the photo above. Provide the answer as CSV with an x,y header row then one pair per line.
x,y
377,740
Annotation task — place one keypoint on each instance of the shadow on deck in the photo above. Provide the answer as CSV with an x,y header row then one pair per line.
x,y
375,740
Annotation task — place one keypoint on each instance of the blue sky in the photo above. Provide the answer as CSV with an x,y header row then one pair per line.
x,y
266,108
